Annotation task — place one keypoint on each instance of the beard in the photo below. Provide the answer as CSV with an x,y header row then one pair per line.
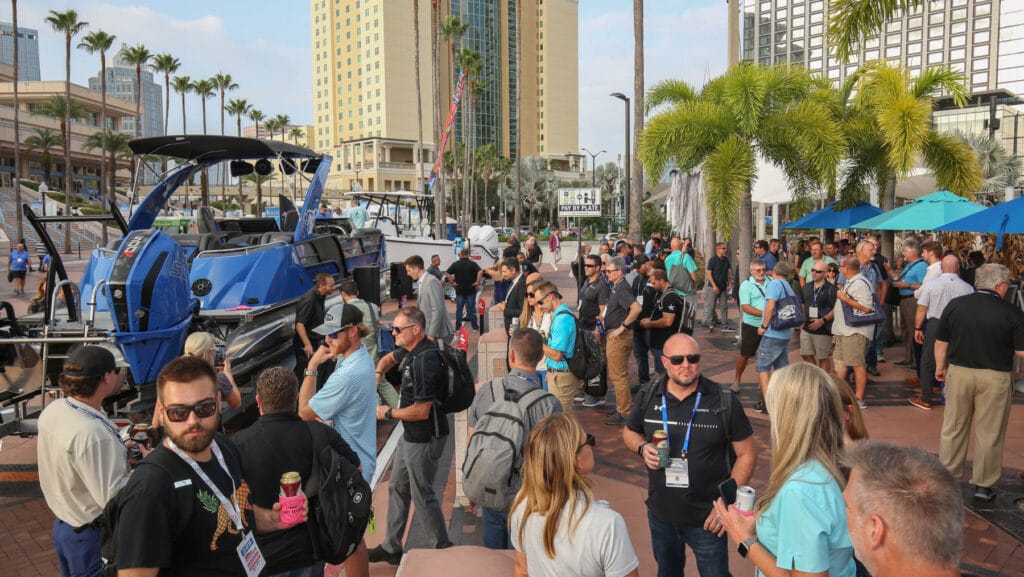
x,y
194,443
684,382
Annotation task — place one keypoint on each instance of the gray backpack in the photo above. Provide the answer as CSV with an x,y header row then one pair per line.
x,y
679,278
491,473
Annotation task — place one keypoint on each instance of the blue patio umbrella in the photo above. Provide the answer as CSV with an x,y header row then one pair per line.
x,y
829,217
799,223
926,213
1005,218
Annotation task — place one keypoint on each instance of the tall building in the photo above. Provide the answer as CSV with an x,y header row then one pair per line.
x,y
121,84
365,93
28,50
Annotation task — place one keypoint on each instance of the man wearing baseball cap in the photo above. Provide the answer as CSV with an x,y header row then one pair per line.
x,y
82,458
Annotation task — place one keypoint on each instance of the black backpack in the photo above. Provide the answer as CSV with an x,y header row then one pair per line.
x,y
458,392
340,501
586,360
724,409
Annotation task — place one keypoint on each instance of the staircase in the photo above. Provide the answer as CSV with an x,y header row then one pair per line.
x,y
84,235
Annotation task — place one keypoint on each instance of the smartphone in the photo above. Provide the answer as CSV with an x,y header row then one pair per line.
x,y
727,489
218,356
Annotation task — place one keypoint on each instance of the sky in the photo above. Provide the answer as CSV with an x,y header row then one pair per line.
x,y
265,47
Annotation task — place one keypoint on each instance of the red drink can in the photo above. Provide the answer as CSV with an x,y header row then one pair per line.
x,y
291,484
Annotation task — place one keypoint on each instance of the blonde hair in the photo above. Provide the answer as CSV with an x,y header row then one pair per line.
x,y
807,423
198,344
855,428
550,479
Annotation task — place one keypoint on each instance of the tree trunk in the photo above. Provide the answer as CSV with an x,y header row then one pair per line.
x,y
419,96
889,203
519,118
103,141
745,235
184,130
636,187
68,185
435,70
17,131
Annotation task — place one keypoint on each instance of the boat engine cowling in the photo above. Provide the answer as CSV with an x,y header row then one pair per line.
x,y
484,236
150,301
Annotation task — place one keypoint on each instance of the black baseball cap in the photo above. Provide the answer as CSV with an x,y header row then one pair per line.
x,y
89,361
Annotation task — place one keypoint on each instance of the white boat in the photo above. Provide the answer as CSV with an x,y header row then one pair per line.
x,y
403,217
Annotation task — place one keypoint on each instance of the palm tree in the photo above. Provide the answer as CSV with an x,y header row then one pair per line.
x,y
999,168
899,108
438,112
295,134
486,162
44,139
168,65
271,125
238,107
471,64
282,123
452,28
417,156
100,41
17,127
68,24
204,89
850,21
636,187
183,85
223,83
256,116
139,56
115,145
749,110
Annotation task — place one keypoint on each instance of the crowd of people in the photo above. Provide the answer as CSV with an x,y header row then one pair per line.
x,y
835,502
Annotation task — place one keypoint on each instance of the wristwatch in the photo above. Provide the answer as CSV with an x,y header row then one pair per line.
x,y
310,373
744,547
387,415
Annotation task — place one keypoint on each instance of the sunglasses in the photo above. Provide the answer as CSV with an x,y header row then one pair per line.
x,y
816,271
398,330
676,360
203,410
530,294
590,266
590,440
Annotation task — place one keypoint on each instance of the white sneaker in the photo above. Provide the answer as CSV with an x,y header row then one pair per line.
x,y
735,387
579,399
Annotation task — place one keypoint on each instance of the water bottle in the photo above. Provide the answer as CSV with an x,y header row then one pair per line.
x,y
600,327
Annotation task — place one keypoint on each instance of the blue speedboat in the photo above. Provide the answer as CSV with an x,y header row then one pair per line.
x,y
239,279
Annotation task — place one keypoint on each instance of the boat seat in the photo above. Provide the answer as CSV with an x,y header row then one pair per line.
x,y
269,237
205,220
290,220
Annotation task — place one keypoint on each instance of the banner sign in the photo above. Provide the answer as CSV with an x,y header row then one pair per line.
x,y
579,202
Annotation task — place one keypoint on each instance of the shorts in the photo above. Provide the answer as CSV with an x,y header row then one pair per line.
x,y
17,274
749,340
850,351
817,346
772,353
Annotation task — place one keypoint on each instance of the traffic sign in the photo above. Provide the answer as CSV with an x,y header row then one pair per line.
x,y
579,202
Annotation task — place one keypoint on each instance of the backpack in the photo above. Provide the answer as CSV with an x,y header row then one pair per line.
x,y
456,395
586,360
494,456
679,278
788,312
339,499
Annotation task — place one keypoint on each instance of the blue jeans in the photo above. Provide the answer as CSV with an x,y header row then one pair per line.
x,y
874,347
640,350
496,529
467,302
669,541
772,353
78,553
659,365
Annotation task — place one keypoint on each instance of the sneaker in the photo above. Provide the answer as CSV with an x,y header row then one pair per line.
x,y
986,494
912,381
881,358
380,554
862,404
760,408
590,401
917,402
904,364
874,372
728,328
579,398
735,387
615,419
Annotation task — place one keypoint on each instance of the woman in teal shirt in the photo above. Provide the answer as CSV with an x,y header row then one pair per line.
x,y
800,519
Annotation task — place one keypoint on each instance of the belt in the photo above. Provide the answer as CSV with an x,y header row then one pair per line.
x,y
92,525
558,370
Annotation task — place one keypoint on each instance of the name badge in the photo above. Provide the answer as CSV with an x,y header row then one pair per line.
x,y
812,312
640,300
677,474
250,555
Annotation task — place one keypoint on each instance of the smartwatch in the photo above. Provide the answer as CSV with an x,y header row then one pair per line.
x,y
387,415
744,547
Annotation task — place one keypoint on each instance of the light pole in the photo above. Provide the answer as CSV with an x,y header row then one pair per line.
x,y
629,184
593,165
356,168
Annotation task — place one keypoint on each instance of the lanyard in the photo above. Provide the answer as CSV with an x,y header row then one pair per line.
x,y
230,506
689,426
816,293
534,382
109,426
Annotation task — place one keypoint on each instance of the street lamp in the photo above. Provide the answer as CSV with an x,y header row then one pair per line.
x,y
629,184
356,168
593,166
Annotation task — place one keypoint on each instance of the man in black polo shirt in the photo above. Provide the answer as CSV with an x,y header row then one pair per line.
x,y
426,431
593,298
279,442
666,314
466,275
978,336
644,294
679,510
309,313
717,275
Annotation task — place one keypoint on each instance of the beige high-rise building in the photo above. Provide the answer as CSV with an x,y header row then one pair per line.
x,y
364,85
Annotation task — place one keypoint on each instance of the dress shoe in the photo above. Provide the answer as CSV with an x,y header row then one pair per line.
x,y
917,402
615,419
986,494
379,553
874,372
904,364
912,381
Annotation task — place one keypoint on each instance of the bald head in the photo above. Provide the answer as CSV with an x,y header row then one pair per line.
x,y
950,263
533,277
675,243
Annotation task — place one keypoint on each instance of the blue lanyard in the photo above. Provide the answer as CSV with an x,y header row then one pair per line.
x,y
816,292
689,426
109,426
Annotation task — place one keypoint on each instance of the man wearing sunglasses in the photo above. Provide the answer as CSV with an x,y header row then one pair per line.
x,y
622,311
702,421
561,345
819,298
593,299
171,515
82,460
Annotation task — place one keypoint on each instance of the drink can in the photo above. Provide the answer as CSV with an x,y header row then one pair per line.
x,y
600,327
745,498
660,440
142,433
515,324
291,484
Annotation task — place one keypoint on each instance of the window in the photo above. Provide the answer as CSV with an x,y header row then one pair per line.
x,y
979,78
981,50
936,17
959,14
958,54
915,22
980,37
892,39
982,23
958,40
935,32
892,52
980,64
935,58
935,44
983,10
958,28
894,26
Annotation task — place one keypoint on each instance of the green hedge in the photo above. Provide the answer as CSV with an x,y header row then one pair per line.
x,y
30,184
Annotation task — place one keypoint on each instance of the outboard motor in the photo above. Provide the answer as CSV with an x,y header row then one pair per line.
x,y
150,301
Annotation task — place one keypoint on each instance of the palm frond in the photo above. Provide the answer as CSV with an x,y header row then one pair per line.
x,y
668,92
805,138
730,170
955,165
684,134
905,124
850,21
937,79
999,169
745,92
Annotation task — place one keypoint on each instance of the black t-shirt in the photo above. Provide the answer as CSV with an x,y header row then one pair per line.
x,y
465,272
719,268
667,302
273,445
310,312
982,330
825,299
619,302
422,376
646,294
592,296
707,452
151,509
533,254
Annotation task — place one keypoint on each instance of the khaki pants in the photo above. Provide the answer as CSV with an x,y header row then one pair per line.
x,y
619,350
564,385
971,392
908,308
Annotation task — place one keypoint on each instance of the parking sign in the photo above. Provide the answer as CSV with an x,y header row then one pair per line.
x,y
579,202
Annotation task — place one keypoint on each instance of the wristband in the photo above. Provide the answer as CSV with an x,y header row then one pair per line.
x,y
309,373
640,449
918,329
387,414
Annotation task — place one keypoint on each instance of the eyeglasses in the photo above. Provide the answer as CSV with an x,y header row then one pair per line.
x,y
590,266
676,360
398,330
203,410
590,440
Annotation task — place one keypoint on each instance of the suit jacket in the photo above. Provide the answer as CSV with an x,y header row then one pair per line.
x,y
515,301
430,300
